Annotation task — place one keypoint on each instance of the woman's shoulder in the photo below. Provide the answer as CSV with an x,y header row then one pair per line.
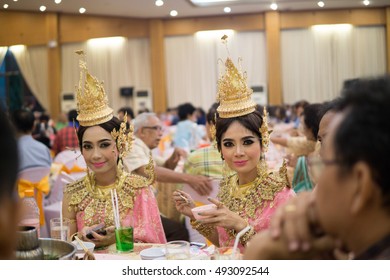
x,y
274,182
75,186
138,181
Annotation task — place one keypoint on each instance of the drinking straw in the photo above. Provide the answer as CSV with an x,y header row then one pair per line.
x,y
61,225
114,209
242,232
117,208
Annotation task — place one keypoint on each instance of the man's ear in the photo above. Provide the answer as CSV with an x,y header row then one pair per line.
x,y
364,189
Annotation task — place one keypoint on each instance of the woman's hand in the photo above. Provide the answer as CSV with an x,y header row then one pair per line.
x,y
98,239
222,217
183,203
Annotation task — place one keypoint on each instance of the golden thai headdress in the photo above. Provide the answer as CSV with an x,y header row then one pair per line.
x,y
92,101
235,97
93,109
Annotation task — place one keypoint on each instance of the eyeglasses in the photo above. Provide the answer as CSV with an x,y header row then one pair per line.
x,y
156,127
317,164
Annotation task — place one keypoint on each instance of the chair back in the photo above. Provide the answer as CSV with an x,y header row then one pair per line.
x,y
34,174
36,178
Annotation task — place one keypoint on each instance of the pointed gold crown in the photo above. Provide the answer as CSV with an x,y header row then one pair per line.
x,y
92,101
234,95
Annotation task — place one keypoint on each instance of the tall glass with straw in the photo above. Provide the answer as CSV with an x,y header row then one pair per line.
x,y
123,235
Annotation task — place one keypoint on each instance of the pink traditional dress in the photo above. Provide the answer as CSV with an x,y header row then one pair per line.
x,y
255,202
137,206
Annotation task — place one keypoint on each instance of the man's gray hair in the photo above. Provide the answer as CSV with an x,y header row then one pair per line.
x,y
142,120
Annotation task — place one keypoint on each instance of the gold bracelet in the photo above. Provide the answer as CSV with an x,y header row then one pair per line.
x,y
201,228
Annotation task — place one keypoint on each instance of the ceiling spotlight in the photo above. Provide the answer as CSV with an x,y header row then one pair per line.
x,y
42,8
173,13
321,4
366,2
227,9
274,6
82,10
159,3
15,0
5,6
57,1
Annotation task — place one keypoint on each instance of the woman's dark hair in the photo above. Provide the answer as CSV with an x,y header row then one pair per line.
x,y
127,110
212,113
312,117
252,122
107,126
184,110
364,132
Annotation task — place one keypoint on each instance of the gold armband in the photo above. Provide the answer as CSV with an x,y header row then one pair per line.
x,y
201,228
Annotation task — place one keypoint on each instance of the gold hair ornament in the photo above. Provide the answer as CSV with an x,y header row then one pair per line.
x,y
234,96
264,131
92,101
123,138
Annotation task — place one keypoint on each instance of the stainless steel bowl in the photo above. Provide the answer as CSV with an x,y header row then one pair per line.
x,y
55,249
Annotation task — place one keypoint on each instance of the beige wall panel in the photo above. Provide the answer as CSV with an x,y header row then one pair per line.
x,y
189,26
22,28
75,28
291,20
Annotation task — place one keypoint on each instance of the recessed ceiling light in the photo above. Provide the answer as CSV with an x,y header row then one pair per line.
x,y
42,8
227,9
366,2
57,1
173,13
5,6
274,6
321,4
15,0
159,3
82,10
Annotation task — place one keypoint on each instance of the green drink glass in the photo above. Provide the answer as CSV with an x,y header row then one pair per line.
x,y
124,239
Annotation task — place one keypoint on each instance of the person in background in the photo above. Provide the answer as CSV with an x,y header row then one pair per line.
x,y
188,134
248,198
310,120
32,153
351,201
200,116
9,209
67,138
130,115
62,121
104,142
44,132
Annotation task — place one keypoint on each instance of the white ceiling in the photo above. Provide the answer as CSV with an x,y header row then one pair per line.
x,y
147,8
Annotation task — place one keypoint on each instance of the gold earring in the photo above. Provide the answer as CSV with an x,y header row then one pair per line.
x,y
262,168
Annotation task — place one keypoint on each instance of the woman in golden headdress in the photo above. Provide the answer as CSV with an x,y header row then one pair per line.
x,y
104,141
250,196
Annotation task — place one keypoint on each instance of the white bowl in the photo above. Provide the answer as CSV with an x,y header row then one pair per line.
x,y
152,254
203,209
90,246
